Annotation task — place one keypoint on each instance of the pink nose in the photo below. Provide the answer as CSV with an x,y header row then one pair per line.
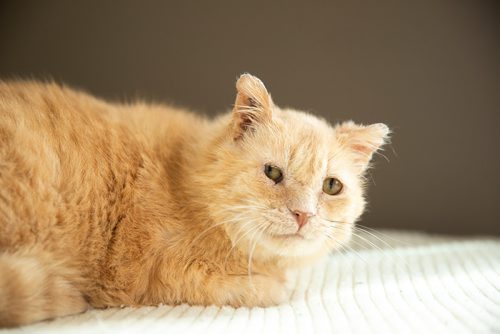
x,y
301,217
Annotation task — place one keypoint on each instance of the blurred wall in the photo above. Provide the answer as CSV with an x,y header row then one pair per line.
x,y
428,68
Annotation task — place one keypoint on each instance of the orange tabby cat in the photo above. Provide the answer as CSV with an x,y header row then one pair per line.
x,y
105,204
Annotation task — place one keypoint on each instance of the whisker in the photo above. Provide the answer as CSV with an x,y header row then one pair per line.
x,y
253,228
350,249
403,260
205,231
374,232
341,249
371,244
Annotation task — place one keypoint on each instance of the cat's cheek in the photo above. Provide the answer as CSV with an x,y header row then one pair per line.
x,y
345,208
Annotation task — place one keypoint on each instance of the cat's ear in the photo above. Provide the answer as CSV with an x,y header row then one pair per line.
x,y
253,105
362,141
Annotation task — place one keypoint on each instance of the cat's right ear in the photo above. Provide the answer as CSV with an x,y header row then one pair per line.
x,y
253,105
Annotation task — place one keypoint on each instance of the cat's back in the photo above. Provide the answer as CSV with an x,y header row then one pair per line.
x,y
68,159
46,129
57,114
47,109
60,153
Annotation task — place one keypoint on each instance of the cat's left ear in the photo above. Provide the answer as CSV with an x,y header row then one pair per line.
x,y
362,141
253,105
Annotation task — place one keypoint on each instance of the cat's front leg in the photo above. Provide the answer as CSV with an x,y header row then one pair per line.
x,y
245,290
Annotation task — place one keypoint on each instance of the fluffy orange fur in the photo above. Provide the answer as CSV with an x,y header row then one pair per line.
x,y
106,204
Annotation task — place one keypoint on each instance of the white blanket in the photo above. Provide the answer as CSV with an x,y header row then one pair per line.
x,y
406,282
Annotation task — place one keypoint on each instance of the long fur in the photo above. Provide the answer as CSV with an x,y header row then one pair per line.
x,y
107,204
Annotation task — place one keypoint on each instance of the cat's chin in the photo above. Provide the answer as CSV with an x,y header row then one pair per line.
x,y
303,245
294,245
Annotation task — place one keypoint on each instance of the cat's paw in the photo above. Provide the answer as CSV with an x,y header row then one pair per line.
x,y
265,291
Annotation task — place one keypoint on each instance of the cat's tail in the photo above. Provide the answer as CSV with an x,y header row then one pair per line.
x,y
34,289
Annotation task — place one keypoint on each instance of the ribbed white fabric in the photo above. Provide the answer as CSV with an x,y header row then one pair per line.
x,y
400,283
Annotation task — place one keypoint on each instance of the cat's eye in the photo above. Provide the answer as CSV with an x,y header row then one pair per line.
x,y
332,186
274,173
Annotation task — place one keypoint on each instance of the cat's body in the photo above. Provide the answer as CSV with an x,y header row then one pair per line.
x,y
106,205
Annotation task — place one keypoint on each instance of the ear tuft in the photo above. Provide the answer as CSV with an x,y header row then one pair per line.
x,y
253,104
362,141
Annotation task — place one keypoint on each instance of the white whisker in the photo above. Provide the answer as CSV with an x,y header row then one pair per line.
x,y
251,229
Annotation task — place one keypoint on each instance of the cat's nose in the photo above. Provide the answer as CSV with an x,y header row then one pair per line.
x,y
301,217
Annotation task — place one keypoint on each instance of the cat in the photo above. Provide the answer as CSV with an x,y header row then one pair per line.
x,y
103,205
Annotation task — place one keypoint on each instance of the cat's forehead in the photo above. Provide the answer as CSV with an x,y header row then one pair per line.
x,y
307,133
297,141
308,143
307,158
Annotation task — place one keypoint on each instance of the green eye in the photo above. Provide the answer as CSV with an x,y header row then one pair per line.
x,y
332,186
274,173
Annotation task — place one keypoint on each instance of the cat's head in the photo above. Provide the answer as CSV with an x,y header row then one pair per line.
x,y
286,181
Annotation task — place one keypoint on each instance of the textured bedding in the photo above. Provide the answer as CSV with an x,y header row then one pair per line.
x,y
387,281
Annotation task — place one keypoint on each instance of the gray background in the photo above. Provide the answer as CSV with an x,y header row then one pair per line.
x,y
430,69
